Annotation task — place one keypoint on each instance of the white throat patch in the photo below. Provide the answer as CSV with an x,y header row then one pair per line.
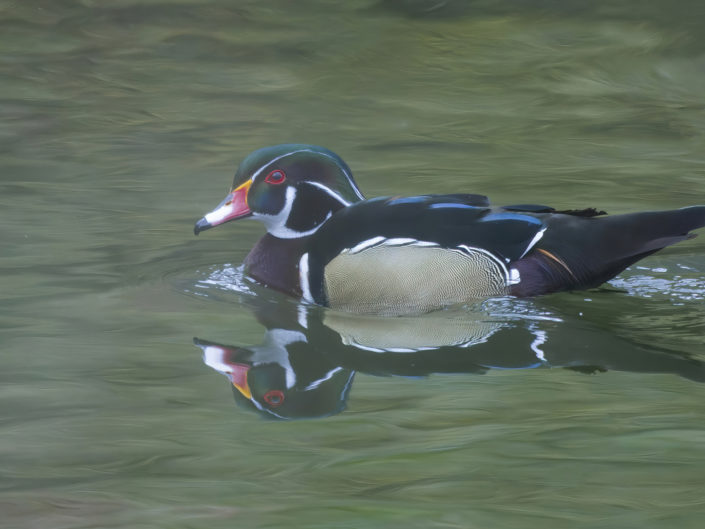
x,y
276,224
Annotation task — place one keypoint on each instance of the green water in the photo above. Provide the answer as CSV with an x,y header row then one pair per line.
x,y
122,122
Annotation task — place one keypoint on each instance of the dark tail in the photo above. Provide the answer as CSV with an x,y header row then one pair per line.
x,y
578,252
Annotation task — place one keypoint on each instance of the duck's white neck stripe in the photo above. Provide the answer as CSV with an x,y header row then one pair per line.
x,y
276,224
303,279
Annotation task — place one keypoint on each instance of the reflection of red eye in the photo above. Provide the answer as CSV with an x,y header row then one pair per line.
x,y
275,177
274,398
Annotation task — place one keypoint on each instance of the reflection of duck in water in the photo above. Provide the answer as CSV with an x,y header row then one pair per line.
x,y
306,362
283,377
328,245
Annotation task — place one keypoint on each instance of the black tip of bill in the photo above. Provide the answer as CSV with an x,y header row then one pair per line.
x,y
201,225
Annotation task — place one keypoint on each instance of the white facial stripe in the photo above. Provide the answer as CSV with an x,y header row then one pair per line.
x,y
258,171
327,376
332,193
276,224
272,222
350,178
303,279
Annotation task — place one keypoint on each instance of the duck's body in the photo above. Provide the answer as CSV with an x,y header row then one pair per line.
x,y
399,255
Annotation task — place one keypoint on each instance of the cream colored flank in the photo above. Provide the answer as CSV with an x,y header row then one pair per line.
x,y
411,278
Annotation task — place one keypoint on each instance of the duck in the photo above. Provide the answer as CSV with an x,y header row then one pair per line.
x,y
326,244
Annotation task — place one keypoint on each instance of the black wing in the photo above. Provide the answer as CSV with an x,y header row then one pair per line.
x,y
447,220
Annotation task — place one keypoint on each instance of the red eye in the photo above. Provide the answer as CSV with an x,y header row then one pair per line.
x,y
275,177
274,398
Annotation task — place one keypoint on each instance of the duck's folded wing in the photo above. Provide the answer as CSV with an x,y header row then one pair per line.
x,y
448,221
417,253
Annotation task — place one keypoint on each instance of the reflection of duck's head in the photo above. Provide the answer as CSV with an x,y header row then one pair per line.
x,y
282,378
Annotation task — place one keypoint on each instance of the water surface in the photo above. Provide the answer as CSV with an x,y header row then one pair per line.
x,y
122,124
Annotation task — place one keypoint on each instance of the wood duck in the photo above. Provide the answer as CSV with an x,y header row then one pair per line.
x,y
397,255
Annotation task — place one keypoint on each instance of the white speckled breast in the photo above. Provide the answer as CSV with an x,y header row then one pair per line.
x,y
401,276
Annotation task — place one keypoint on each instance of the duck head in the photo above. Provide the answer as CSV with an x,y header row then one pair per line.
x,y
291,188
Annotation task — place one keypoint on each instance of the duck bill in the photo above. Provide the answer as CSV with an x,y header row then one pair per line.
x,y
223,359
238,378
233,207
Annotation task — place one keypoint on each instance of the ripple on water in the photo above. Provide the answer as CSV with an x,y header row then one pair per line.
x,y
227,278
678,283
218,280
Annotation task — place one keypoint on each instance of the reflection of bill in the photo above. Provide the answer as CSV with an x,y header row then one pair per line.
x,y
305,365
